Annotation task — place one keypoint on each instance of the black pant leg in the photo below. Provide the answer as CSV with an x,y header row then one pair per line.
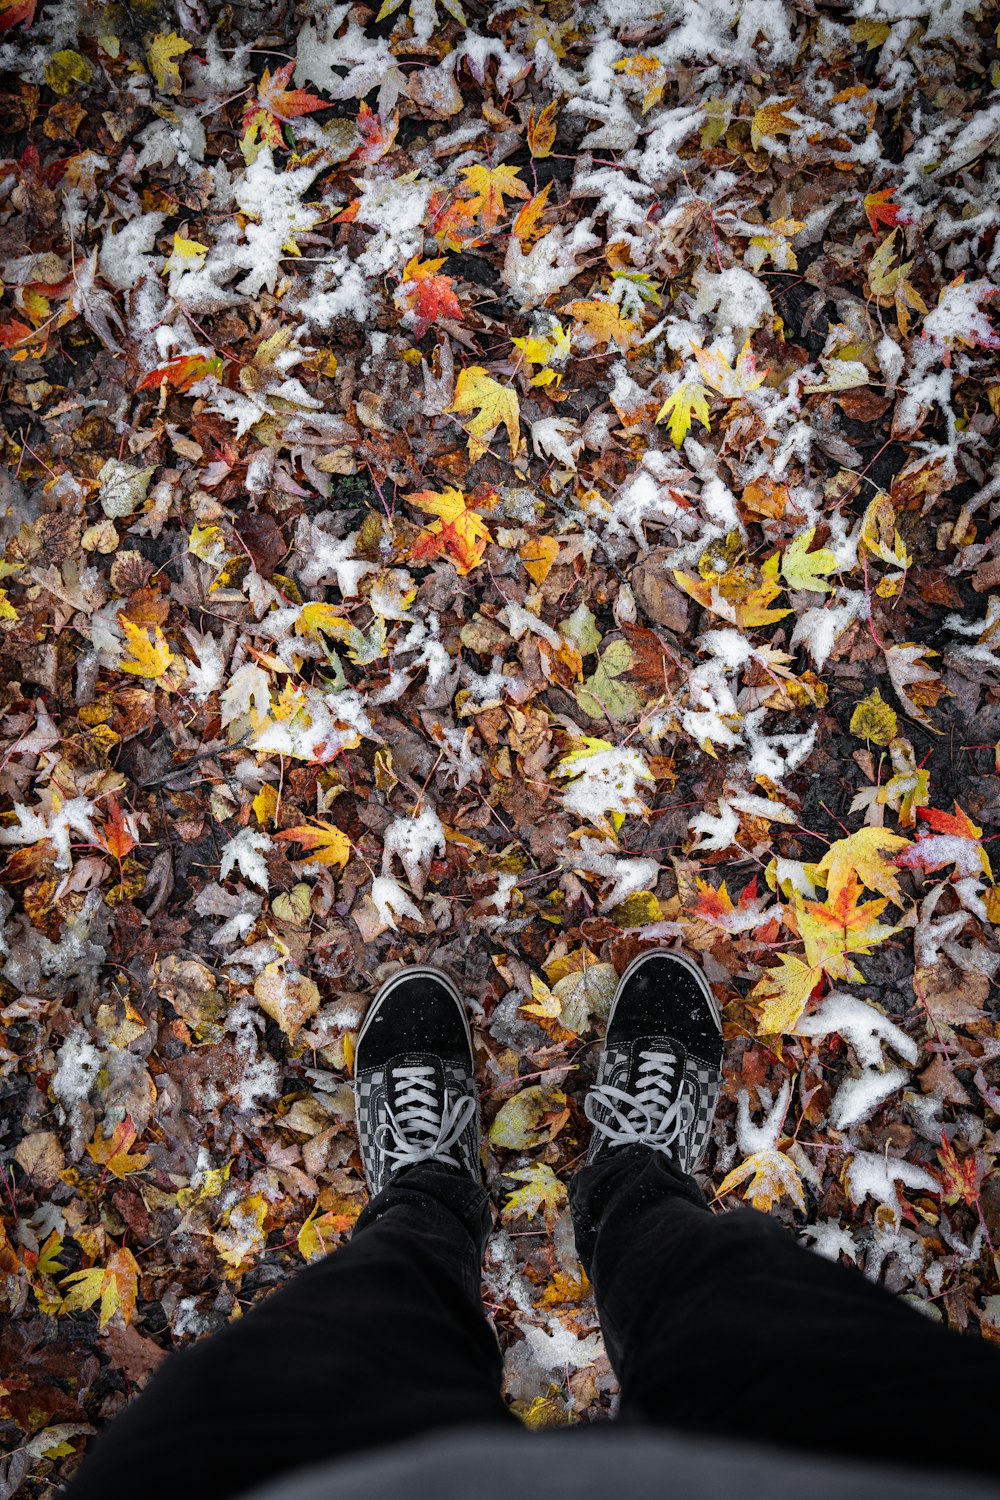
x,y
724,1324
381,1340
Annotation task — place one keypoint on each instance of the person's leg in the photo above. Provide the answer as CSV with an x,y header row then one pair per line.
x,y
724,1324
379,1341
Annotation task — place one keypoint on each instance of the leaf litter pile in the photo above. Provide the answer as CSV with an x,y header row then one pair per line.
x,y
500,487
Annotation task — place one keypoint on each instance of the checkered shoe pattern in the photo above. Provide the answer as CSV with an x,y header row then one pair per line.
x,y
694,1080
376,1094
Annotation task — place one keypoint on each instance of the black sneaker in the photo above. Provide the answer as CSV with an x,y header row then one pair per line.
x,y
414,1089
660,1070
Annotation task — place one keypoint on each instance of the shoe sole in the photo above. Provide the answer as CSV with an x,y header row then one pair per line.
x,y
677,958
414,971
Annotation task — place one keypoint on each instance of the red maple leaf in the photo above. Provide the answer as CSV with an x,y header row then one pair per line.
x,y
274,95
960,1176
880,209
376,135
428,296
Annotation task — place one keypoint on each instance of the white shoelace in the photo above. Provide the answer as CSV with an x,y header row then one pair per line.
x,y
419,1128
647,1117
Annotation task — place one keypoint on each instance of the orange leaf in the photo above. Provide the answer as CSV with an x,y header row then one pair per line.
x,y
114,1155
542,132
118,839
182,372
459,533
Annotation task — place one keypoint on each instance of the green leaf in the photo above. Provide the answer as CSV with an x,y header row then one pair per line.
x,y
604,692
533,1116
581,628
802,569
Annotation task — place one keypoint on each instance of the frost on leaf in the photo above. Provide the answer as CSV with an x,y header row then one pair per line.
x,y
603,779
245,852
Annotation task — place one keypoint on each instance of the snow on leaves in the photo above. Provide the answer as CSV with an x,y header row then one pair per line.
x,y
473,494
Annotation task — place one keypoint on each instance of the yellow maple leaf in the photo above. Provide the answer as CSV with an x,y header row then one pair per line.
x,y
774,1175
546,350
602,323
490,186
116,1284
730,381
150,658
114,1153
862,854
160,55
329,845
187,255
771,121
459,533
527,226
782,994
320,1232
890,284
494,404
689,400
651,74
832,930
803,569
542,1190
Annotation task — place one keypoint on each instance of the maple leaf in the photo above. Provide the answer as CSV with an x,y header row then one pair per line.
x,y
726,379
182,372
489,187
802,569
423,14
275,96
651,74
532,1117
161,54
113,1153
425,294
459,533
542,1190
116,1284
954,841
377,136
320,1232
329,844
689,400
150,658
879,209
495,404
527,227
889,284
916,683
771,121
782,994
603,323
862,855
118,835
542,132
274,105
773,1176
961,1176
839,926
